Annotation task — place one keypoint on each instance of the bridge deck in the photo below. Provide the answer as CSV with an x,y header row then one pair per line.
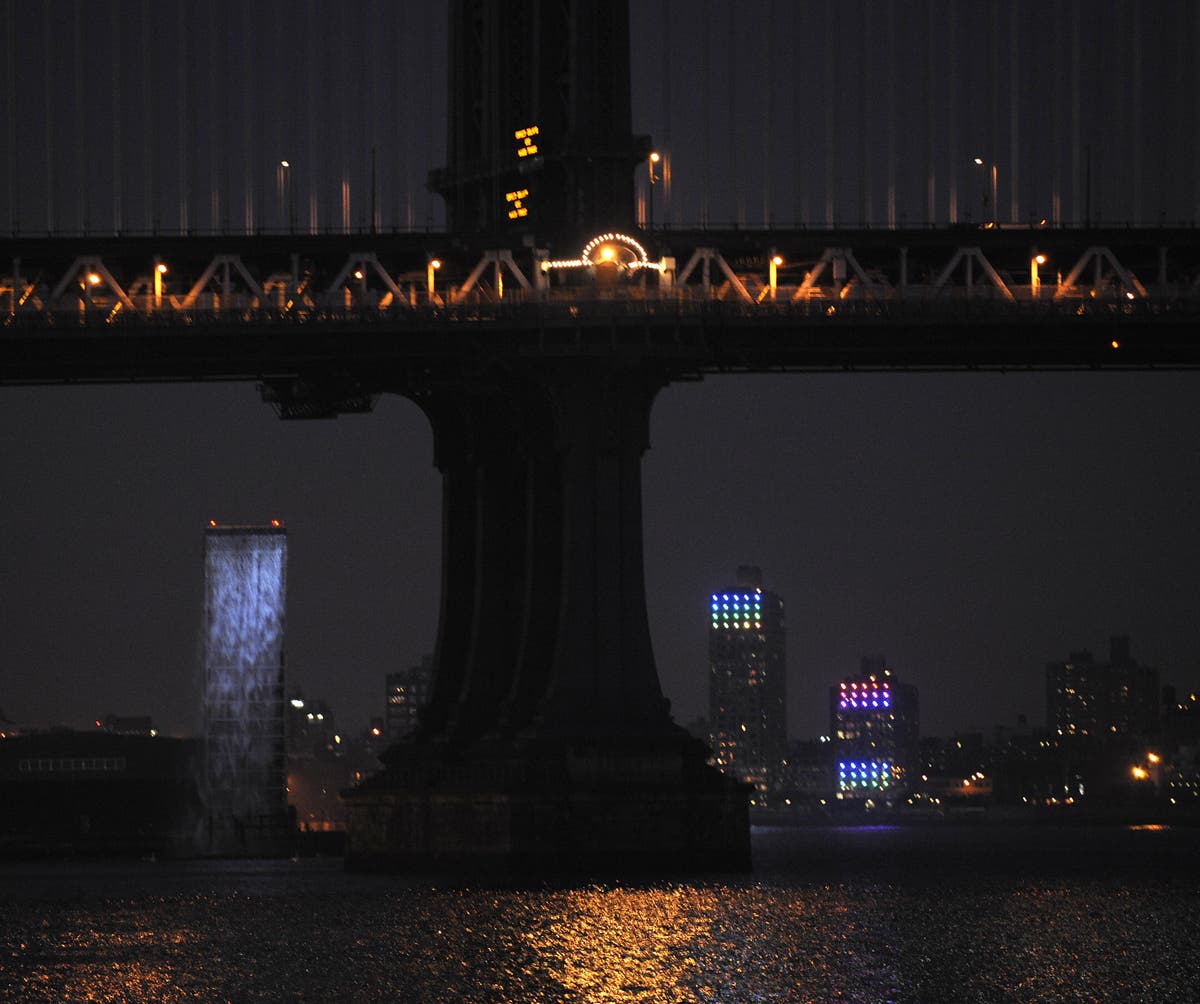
x,y
371,312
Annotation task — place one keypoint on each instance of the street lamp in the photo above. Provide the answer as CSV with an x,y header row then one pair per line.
x,y
286,202
159,271
995,209
773,273
430,270
87,282
654,159
1035,280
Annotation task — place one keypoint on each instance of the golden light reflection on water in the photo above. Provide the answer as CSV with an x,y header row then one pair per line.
x,y
115,983
108,966
626,944
1079,928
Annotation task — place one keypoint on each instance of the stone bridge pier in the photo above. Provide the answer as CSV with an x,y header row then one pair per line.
x,y
547,742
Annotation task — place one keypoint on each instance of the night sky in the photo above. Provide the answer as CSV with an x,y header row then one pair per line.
x,y
970,527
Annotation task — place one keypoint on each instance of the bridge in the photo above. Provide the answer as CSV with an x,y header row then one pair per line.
x,y
538,376
172,308
535,343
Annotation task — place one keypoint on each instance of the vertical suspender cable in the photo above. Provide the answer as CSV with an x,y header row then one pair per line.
x,y
1079,212
115,61
182,112
1014,113
952,166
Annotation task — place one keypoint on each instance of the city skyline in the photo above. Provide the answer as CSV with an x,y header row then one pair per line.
x,y
1002,669
971,526
952,690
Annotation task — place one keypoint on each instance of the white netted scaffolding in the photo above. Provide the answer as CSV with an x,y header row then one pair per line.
x,y
244,762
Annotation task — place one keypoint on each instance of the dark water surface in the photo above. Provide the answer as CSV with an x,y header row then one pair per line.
x,y
939,913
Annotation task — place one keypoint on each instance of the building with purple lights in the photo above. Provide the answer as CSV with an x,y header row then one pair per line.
x,y
747,688
874,724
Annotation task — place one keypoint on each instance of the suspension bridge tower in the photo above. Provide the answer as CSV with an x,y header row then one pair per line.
x,y
547,741
540,105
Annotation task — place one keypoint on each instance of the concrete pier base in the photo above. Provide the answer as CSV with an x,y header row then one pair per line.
x,y
260,836
621,808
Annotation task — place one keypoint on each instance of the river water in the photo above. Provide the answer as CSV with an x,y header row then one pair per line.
x,y
951,913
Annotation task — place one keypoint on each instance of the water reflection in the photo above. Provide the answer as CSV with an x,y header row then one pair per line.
x,y
1108,918
626,944
105,962
710,943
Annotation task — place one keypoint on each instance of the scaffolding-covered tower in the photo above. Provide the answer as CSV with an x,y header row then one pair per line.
x,y
245,775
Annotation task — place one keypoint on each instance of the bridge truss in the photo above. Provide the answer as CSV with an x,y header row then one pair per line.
x,y
264,309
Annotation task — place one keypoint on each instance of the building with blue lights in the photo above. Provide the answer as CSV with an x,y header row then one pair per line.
x,y
874,724
747,682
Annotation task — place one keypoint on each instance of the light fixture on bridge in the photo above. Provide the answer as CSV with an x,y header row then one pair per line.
x,y
773,274
1035,279
516,203
995,213
287,200
526,147
159,271
655,157
431,268
621,249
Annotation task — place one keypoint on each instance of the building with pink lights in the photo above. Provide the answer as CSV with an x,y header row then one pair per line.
x,y
873,721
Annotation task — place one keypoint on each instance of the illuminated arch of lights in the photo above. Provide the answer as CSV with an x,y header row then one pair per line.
x,y
612,248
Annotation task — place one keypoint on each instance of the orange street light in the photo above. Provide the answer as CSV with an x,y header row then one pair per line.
x,y
159,271
979,162
430,269
773,274
1035,279
655,157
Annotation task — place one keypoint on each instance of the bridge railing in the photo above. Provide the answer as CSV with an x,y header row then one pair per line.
x,y
568,307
